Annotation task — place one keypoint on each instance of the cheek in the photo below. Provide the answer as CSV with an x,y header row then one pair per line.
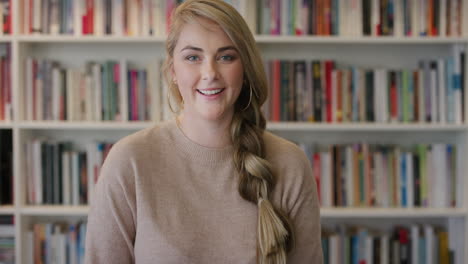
x,y
236,77
186,78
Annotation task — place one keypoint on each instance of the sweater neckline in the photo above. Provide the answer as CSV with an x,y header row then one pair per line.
x,y
196,152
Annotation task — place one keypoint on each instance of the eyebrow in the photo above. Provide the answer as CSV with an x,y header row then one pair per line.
x,y
200,49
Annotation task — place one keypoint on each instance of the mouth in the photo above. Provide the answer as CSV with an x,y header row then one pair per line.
x,y
210,92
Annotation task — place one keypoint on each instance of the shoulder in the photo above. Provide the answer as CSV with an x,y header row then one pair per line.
x,y
139,144
133,151
283,151
293,173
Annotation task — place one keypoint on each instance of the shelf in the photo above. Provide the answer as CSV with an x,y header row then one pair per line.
x,y
267,39
6,38
7,209
58,210
137,125
6,125
274,126
391,212
87,39
307,126
359,40
55,210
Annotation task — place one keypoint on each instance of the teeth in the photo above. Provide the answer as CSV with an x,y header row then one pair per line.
x,y
210,92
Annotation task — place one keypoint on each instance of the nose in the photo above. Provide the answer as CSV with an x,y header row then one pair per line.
x,y
209,70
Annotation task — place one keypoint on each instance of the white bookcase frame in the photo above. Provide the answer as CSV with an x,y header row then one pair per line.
x,y
63,48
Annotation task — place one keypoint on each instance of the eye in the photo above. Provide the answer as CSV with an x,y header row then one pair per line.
x,y
192,58
227,58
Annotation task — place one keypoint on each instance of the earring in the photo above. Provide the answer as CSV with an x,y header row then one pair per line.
x,y
169,101
250,99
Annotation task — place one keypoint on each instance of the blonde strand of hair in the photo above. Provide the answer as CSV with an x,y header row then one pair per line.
x,y
274,234
271,233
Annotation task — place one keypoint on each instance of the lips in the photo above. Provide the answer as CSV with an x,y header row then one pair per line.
x,y
210,91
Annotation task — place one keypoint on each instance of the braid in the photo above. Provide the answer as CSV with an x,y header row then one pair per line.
x,y
256,181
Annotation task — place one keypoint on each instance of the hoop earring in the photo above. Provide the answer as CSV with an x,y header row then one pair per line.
x,y
250,99
169,101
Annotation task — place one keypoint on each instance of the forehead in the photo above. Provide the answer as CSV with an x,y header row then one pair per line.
x,y
203,33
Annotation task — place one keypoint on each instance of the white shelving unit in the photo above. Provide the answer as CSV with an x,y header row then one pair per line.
x,y
259,38
391,213
274,126
6,125
327,213
387,52
85,125
358,40
55,210
304,126
7,210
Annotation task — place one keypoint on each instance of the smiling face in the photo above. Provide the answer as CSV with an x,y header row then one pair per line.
x,y
208,71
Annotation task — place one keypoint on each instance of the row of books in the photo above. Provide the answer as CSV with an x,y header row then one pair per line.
x,y
59,173
5,17
270,17
5,83
107,17
363,17
352,175
413,244
108,91
317,91
362,174
325,91
6,167
56,243
7,239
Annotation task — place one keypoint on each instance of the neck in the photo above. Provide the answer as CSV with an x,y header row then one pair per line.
x,y
207,133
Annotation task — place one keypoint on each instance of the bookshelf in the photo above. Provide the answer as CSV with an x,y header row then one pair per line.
x,y
382,51
377,213
7,210
327,213
259,38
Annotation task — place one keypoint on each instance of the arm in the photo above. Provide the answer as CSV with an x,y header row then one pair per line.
x,y
305,214
112,218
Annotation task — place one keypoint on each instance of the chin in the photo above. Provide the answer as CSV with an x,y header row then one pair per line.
x,y
213,115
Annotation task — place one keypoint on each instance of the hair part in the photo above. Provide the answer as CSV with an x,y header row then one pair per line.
x,y
275,236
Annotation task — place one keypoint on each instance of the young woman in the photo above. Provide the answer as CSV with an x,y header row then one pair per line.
x,y
211,185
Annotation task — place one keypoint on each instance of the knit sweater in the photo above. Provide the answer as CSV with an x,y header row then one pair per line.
x,y
162,198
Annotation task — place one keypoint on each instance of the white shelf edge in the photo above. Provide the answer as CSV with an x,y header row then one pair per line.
x,y
274,126
359,40
54,210
84,39
6,38
86,125
83,210
392,212
272,39
7,210
306,126
6,125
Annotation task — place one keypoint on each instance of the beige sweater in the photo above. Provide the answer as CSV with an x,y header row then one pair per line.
x,y
162,198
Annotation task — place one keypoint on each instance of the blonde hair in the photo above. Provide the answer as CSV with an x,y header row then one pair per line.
x,y
256,181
